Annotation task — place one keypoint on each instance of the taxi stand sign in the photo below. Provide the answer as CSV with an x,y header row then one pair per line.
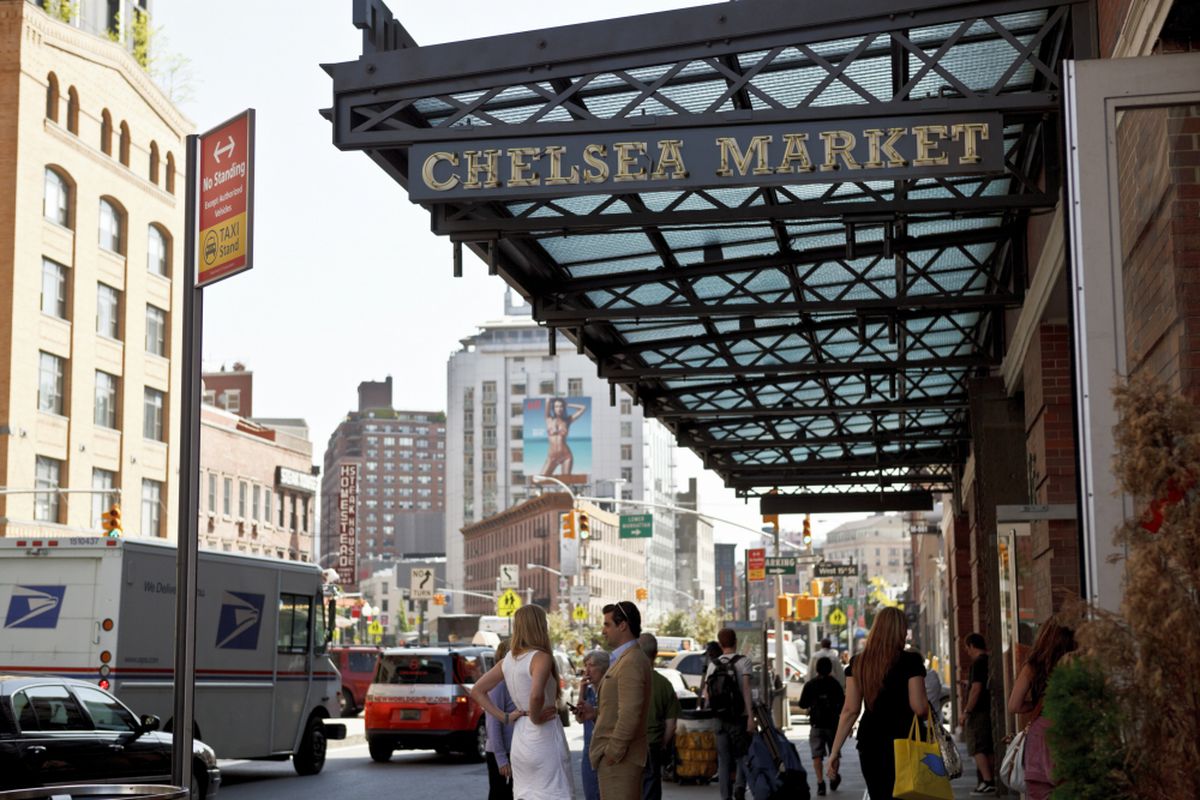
x,y
226,204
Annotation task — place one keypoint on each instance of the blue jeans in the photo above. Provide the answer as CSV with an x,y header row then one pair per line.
x,y
731,768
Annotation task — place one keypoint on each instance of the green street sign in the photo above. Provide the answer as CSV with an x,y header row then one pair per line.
x,y
637,526
781,565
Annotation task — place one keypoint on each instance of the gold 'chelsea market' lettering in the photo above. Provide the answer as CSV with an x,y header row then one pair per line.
x,y
894,145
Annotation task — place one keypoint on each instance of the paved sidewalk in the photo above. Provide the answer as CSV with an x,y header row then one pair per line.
x,y
852,788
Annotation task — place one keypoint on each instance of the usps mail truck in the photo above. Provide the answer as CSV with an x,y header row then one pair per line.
x,y
103,610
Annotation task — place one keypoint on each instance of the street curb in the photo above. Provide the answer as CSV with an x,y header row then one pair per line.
x,y
349,741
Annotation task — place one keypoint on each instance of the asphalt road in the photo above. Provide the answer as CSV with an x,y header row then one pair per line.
x,y
423,775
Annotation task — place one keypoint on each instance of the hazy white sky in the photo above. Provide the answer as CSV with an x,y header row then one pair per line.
x,y
349,283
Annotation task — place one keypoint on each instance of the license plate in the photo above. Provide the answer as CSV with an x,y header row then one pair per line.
x,y
410,713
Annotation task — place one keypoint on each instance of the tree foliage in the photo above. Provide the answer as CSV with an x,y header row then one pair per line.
x,y
1149,651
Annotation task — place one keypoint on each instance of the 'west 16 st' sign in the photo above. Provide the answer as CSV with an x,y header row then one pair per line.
x,y
649,160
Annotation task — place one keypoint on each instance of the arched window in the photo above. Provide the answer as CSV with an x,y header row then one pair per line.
x,y
154,163
73,111
106,131
112,226
52,97
170,172
56,201
158,252
125,143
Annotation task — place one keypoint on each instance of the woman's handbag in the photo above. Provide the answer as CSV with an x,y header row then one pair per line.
x,y
1012,768
950,756
920,771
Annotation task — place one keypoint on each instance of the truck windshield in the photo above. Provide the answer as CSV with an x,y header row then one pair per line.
x,y
414,669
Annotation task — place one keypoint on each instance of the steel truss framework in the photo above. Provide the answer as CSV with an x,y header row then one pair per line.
x,y
799,338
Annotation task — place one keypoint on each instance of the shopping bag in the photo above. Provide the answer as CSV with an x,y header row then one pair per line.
x,y
950,755
1012,768
920,770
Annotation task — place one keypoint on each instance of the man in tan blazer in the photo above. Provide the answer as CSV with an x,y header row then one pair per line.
x,y
619,749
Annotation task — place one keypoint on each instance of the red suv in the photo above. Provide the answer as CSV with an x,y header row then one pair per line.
x,y
356,663
421,700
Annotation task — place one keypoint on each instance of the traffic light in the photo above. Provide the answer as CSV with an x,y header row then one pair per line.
x,y
783,607
807,532
815,588
806,608
568,525
584,529
111,521
772,520
439,599
641,594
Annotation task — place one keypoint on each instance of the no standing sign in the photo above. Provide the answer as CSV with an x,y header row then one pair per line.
x,y
226,199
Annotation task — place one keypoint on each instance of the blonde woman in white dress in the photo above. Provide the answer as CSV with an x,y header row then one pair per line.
x,y
540,759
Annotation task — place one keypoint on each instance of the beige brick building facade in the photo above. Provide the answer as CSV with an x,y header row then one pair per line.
x,y
257,490
91,244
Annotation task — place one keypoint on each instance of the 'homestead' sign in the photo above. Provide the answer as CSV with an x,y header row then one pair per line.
x,y
782,153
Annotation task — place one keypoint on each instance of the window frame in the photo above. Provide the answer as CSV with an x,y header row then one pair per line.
x,y
157,347
47,502
62,301
108,311
58,396
112,224
112,419
153,427
153,504
63,191
158,242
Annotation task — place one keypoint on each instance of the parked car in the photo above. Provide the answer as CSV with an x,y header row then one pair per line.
x,y
688,699
356,663
420,699
691,666
57,731
568,682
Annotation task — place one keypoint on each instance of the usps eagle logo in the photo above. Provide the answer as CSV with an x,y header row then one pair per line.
x,y
240,619
34,606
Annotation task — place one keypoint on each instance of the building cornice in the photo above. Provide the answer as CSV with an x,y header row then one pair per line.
x,y
40,28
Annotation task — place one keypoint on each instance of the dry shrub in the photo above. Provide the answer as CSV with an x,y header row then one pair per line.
x,y
1150,652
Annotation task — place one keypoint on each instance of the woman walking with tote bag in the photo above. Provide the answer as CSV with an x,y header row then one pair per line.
x,y
1054,641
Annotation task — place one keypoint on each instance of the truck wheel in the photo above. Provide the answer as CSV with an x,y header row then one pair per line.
x,y
346,701
310,758
380,751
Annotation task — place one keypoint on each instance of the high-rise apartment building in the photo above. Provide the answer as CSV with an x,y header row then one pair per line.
x,y
401,491
694,552
516,411
92,214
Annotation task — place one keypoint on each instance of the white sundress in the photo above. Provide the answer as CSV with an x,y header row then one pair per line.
x,y
540,759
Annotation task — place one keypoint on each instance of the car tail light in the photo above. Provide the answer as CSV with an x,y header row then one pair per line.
x,y
103,683
461,699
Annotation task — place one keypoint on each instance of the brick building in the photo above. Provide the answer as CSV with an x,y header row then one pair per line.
x,y
91,242
402,480
257,487
528,533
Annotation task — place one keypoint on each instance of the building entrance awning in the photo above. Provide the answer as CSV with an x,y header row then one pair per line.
x,y
789,230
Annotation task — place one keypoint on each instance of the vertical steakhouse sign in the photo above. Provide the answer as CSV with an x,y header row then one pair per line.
x,y
226,199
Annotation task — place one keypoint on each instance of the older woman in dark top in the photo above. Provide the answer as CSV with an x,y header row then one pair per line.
x,y
891,682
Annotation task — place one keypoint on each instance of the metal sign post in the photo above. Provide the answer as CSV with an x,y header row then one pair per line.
x,y
221,196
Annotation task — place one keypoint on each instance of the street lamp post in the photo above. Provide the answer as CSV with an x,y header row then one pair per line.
x,y
562,603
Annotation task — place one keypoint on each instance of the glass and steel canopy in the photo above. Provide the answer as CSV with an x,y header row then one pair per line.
x,y
807,335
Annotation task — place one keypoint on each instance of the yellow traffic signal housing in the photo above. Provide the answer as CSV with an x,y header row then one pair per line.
x,y
772,520
806,608
641,594
111,520
807,531
815,588
584,525
568,525
439,599
783,607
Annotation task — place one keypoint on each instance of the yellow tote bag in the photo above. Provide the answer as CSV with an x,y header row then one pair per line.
x,y
920,772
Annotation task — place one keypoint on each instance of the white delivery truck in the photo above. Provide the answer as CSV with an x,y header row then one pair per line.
x,y
103,610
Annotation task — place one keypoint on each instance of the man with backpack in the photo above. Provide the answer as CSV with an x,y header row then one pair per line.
x,y
727,693
822,698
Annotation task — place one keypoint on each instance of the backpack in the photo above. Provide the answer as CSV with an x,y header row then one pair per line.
x,y
724,690
825,708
